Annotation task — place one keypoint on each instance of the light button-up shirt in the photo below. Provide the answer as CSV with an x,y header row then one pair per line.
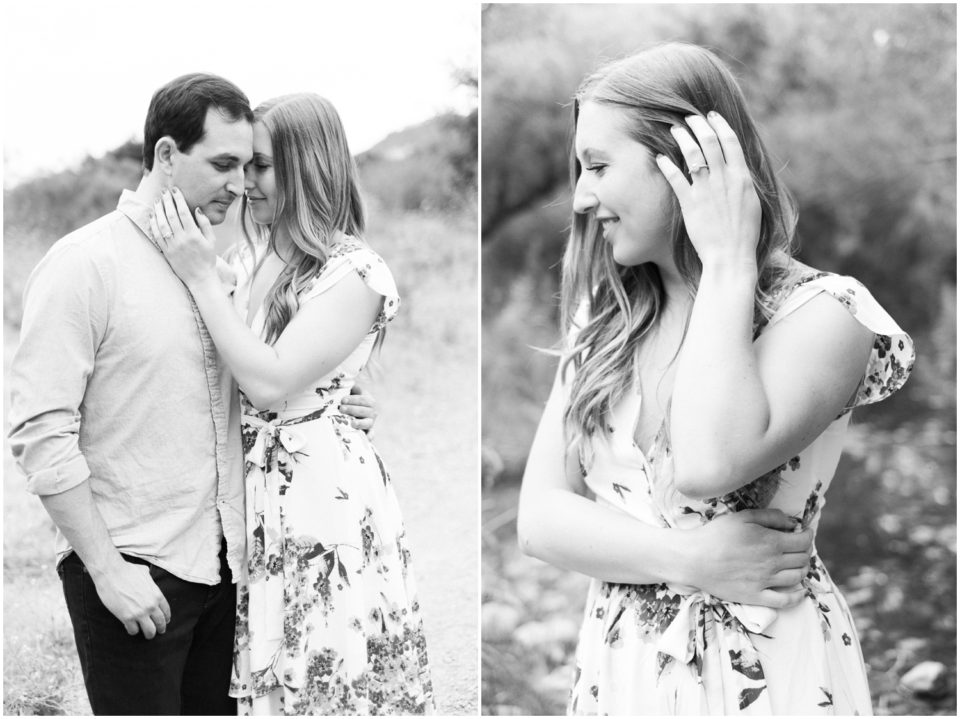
x,y
116,382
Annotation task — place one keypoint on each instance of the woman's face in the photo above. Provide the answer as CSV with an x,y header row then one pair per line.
x,y
622,186
259,180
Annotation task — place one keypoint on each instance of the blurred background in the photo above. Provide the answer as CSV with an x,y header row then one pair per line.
x,y
78,80
858,104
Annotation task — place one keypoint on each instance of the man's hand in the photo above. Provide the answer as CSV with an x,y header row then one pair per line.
x,y
126,589
362,407
132,596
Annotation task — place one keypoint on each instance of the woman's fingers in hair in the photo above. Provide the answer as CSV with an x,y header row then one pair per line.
x,y
709,142
690,149
674,177
729,142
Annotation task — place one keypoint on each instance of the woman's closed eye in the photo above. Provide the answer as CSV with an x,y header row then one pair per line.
x,y
598,168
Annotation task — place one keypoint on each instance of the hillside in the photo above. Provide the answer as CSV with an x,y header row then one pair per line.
x,y
430,166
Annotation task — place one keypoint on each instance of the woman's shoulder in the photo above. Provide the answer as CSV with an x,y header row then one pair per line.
x,y
349,255
357,254
892,356
793,276
802,283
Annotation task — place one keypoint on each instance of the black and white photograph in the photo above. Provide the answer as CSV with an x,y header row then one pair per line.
x,y
241,466
479,359
718,376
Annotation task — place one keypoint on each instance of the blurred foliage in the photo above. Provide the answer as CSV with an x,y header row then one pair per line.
x,y
858,105
432,166
429,167
425,167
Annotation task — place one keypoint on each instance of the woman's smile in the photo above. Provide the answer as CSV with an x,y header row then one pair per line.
x,y
608,223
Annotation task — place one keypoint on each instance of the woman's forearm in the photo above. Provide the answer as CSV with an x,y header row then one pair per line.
x,y
737,557
254,364
751,557
574,532
719,404
559,525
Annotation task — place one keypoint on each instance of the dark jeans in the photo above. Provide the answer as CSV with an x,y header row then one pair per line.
x,y
186,670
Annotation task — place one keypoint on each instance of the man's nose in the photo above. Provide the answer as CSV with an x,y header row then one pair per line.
x,y
235,182
583,198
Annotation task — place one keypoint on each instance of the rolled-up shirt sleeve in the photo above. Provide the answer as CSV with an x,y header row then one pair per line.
x,y
64,321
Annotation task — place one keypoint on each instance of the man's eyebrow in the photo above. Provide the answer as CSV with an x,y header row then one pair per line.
x,y
225,156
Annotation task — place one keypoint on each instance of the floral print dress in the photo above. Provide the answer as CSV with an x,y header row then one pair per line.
x,y
327,616
661,649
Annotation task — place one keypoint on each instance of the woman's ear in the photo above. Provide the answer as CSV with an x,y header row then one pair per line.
x,y
163,153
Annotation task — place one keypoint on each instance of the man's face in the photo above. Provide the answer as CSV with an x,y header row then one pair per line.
x,y
210,175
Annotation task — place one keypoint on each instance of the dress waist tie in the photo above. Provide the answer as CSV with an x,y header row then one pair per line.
x,y
701,616
264,497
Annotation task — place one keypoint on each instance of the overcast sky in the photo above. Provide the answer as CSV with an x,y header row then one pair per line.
x,y
78,75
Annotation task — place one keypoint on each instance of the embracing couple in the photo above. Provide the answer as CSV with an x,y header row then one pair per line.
x,y
228,537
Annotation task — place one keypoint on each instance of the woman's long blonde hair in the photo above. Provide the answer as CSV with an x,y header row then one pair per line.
x,y
318,196
606,309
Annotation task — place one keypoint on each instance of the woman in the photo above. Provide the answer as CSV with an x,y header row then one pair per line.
x,y
328,621
705,373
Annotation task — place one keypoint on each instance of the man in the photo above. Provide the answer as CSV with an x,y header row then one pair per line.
x,y
122,421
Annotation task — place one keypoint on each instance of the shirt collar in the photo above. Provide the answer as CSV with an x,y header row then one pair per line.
x,y
137,211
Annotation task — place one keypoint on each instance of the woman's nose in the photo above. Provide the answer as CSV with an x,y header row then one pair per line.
x,y
583,198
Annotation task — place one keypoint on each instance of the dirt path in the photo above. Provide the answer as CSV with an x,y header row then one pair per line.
x,y
428,434
430,449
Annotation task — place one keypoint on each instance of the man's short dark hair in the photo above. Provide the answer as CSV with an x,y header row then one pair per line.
x,y
179,109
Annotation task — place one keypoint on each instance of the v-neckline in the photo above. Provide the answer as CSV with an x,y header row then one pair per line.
x,y
635,414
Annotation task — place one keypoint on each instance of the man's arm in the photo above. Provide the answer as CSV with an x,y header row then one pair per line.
x,y
63,324
126,589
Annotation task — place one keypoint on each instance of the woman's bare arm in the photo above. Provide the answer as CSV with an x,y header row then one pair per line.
x,y
741,408
745,557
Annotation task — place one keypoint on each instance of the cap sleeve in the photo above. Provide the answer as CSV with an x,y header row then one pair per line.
x,y
356,257
892,356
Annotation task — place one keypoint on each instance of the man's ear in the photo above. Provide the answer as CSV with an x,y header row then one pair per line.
x,y
163,153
